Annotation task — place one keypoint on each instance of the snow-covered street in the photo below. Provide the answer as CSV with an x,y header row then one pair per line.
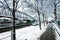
x,y
29,33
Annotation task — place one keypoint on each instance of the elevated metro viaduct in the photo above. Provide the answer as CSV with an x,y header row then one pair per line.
x,y
18,17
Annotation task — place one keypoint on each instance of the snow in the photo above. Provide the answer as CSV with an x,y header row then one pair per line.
x,y
58,29
29,33
57,36
4,35
56,26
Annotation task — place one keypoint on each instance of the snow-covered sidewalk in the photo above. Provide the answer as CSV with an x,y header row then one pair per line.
x,y
29,33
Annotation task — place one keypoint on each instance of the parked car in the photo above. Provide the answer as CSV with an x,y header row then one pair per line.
x,y
51,21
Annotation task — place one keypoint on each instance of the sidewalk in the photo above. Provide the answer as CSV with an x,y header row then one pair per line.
x,y
48,34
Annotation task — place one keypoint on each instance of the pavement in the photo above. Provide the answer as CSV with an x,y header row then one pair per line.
x,y
49,34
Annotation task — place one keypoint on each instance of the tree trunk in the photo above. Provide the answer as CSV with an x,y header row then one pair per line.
x,y
38,15
43,20
39,20
55,11
13,28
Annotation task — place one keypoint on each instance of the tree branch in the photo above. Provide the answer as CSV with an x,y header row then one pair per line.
x,y
7,5
17,1
2,2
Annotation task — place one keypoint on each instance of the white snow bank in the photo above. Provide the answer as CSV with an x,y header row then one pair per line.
x,y
5,34
56,26
58,29
29,33
57,36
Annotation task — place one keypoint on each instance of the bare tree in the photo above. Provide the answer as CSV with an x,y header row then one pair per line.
x,y
42,11
12,10
55,9
35,8
38,12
